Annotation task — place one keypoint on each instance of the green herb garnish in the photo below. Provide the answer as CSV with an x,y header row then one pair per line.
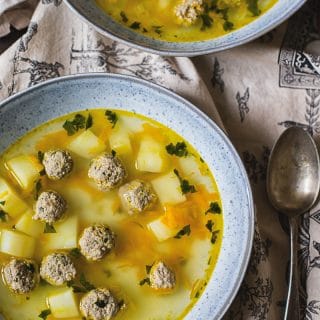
x,y
157,29
3,216
227,26
89,122
44,314
75,252
38,187
214,208
42,172
124,17
209,225
207,21
2,203
40,156
135,25
148,268
49,228
86,284
185,231
214,236
114,153
73,126
180,149
112,117
253,7
185,186
145,281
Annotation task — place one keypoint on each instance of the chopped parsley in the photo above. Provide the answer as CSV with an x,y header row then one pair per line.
x,y
145,281
214,233
85,286
112,117
124,17
44,314
135,25
214,208
73,126
3,216
113,153
148,268
40,156
253,7
185,231
157,29
38,187
89,121
2,203
209,225
227,26
75,252
207,21
180,149
49,228
185,186
42,172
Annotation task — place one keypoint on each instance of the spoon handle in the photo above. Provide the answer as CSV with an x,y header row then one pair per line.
x,y
293,308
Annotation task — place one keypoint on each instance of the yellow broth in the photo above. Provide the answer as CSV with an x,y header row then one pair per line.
x,y
157,19
191,257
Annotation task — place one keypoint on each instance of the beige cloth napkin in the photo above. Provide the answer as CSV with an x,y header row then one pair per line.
x,y
254,92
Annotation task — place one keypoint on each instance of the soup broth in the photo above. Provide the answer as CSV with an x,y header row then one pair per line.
x,y
183,228
184,20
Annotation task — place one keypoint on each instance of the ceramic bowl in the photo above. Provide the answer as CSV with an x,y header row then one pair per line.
x,y
55,98
103,23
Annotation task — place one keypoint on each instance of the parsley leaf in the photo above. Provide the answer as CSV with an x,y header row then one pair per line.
x,y
75,252
44,314
157,29
135,25
145,281
112,117
207,21
73,126
38,187
253,7
185,231
123,17
214,236
49,228
227,26
214,208
2,203
113,153
185,186
180,149
3,216
40,156
148,268
89,122
209,225
86,284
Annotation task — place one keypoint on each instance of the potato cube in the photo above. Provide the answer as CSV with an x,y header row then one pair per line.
x,y
120,141
17,244
168,189
151,156
64,304
161,230
87,145
66,235
29,226
9,201
25,169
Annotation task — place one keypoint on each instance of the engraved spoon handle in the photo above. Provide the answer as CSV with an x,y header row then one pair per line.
x,y
292,311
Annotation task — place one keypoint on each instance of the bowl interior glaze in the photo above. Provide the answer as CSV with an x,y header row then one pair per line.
x,y
55,98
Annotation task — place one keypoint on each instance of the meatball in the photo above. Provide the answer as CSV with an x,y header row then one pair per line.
x,y
50,207
20,275
107,171
137,196
99,304
57,269
96,241
162,277
57,163
188,11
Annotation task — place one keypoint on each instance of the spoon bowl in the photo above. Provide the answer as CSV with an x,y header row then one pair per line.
x,y
293,187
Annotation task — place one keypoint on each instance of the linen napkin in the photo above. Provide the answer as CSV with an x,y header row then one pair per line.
x,y
254,92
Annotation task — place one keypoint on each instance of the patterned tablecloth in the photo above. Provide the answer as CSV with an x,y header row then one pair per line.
x,y
254,92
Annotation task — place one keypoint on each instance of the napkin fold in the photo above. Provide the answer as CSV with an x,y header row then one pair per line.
x,y
254,92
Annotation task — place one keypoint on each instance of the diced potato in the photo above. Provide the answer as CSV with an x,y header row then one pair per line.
x,y
120,141
151,156
29,226
64,304
132,123
87,145
163,3
66,235
161,230
190,170
9,201
25,169
168,189
17,244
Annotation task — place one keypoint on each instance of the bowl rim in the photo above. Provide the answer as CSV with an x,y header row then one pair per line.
x,y
200,114
189,53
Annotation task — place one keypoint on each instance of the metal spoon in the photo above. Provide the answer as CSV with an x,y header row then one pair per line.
x,y
293,187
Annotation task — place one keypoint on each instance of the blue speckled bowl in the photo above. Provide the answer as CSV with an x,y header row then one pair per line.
x,y
103,23
55,98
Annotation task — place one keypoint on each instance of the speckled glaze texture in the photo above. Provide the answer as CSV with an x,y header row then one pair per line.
x,y
103,23
55,98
